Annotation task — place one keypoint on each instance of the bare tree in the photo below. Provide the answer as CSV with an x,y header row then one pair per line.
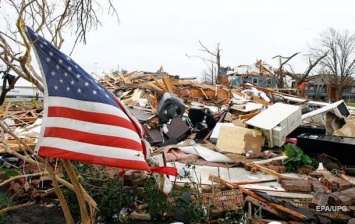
x,y
49,18
306,75
215,61
281,73
339,63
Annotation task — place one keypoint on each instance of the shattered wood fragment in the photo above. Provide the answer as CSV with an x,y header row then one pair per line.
x,y
158,83
337,198
277,168
335,183
16,146
273,204
269,171
167,84
265,207
154,87
317,186
320,198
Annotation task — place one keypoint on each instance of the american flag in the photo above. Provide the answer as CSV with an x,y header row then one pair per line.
x,y
83,121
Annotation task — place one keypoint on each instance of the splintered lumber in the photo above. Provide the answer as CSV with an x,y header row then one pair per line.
x,y
266,161
216,179
335,183
4,113
151,85
248,116
14,145
350,179
158,82
269,171
219,180
273,204
167,84
264,206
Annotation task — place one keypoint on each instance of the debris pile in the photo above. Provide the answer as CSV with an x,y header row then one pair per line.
x,y
273,155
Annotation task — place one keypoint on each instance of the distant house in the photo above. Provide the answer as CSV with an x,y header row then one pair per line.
x,y
258,73
322,88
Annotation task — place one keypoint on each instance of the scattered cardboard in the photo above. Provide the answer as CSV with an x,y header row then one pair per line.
x,y
254,143
231,138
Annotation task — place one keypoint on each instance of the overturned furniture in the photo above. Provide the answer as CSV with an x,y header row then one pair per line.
x,y
276,122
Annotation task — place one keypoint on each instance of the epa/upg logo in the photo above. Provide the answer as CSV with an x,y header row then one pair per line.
x,y
331,208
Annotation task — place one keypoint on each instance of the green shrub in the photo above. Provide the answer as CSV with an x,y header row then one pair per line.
x,y
296,158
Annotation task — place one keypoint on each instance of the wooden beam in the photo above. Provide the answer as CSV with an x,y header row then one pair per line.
x,y
167,84
273,204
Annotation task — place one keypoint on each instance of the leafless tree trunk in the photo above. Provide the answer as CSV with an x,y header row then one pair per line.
x,y
280,73
339,62
215,62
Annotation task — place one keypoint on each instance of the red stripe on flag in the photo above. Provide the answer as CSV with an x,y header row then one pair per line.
x,y
99,118
105,161
165,170
90,138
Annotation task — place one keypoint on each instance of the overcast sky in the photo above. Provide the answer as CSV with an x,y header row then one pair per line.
x,y
161,32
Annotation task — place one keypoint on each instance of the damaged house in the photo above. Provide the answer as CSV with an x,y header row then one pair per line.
x,y
259,74
322,88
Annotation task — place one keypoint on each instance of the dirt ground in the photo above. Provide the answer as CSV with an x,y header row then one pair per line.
x,y
38,213
45,211
48,213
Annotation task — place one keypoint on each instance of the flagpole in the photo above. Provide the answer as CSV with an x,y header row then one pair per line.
x,y
78,191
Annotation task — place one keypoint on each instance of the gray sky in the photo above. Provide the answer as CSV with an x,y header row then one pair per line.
x,y
161,32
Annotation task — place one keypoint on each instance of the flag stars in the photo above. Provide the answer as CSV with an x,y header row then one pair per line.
x,y
94,92
69,68
86,84
41,45
53,73
65,74
48,59
56,87
60,61
79,90
51,53
57,67
78,76
72,82
68,88
61,80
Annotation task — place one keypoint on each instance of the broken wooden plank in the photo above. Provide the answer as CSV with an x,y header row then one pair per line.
x,y
269,171
167,83
273,204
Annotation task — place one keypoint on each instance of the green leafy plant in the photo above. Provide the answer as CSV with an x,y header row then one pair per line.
x,y
5,201
108,192
154,197
296,158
